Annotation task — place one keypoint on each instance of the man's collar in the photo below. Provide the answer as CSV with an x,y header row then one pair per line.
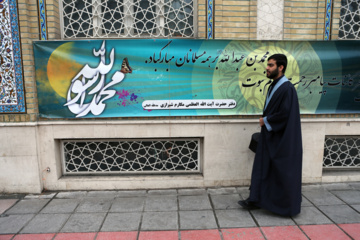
x,y
276,80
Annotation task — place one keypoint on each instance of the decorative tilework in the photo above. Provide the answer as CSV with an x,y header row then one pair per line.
x,y
210,27
11,77
328,20
42,17
270,19
349,24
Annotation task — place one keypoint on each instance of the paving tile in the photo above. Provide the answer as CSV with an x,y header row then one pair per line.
x,y
6,204
84,222
159,221
355,185
227,190
12,195
244,192
338,186
305,202
197,220
13,223
242,234
91,205
41,196
351,229
312,187
46,223
311,215
322,197
28,206
61,206
163,192
234,218
197,191
283,233
6,237
226,201
159,235
131,204
341,214
356,207
348,196
197,202
331,231
200,235
161,203
266,219
77,194
117,236
131,193
101,194
75,236
42,236
116,222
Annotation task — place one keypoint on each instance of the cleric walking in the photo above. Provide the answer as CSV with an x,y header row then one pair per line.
x,y
277,169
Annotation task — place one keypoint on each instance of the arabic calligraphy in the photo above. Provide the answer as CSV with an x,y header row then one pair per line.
x,y
193,57
189,104
93,79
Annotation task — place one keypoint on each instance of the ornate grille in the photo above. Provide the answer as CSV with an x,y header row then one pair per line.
x,y
349,19
342,152
127,18
145,156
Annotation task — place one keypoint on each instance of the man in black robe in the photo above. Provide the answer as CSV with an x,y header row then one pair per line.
x,y
277,169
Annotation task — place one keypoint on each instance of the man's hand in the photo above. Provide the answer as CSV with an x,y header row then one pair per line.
x,y
261,120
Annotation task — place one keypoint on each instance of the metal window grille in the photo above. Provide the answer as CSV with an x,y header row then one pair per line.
x,y
127,18
349,19
341,152
135,156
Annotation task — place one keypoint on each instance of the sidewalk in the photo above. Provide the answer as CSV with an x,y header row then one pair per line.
x,y
329,211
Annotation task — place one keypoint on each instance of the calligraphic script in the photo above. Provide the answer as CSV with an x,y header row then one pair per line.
x,y
190,77
94,78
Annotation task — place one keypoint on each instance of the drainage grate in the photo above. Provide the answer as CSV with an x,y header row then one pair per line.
x,y
341,152
130,156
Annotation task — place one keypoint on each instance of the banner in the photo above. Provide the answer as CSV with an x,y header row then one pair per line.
x,y
177,77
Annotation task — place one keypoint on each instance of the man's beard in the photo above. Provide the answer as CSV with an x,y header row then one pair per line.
x,y
273,74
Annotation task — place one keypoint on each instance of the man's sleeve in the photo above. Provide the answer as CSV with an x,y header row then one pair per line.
x,y
267,125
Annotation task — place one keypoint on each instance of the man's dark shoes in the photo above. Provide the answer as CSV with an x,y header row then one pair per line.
x,y
248,204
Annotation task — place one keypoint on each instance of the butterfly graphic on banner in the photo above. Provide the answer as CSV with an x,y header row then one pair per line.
x,y
91,81
125,67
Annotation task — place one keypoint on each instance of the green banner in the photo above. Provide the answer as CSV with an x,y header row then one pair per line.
x,y
148,77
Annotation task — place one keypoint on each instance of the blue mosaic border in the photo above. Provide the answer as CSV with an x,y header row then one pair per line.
x,y
327,30
210,28
42,17
20,107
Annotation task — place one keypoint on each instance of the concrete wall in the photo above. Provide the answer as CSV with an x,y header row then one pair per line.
x,y
19,161
29,146
30,149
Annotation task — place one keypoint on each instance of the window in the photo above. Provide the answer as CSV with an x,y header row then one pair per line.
x,y
142,156
127,18
349,19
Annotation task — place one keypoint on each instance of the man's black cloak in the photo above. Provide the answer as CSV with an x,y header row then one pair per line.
x,y
277,169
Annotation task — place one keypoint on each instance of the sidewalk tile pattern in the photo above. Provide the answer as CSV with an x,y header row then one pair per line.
x,y
283,233
159,235
331,210
117,236
42,236
200,235
328,232
243,234
353,230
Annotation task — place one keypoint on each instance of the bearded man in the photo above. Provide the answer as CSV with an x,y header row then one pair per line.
x,y
277,169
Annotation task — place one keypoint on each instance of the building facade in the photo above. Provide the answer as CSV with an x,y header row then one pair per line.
x,y
37,152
